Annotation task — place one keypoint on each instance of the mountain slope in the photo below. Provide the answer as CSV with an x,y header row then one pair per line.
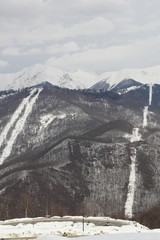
x,y
64,150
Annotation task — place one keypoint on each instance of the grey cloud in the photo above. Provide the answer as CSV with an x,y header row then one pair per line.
x,y
20,52
88,6
103,6
112,31
49,32
137,53
21,9
3,63
68,47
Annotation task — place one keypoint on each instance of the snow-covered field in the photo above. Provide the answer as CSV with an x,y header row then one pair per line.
x,y
121,236
57,228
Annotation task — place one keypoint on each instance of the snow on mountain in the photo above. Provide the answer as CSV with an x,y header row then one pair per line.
x,y
26,105
85,79
142,75
79,79
39,73
30,76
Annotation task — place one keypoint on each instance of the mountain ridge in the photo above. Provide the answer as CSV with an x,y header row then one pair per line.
x,y
77,79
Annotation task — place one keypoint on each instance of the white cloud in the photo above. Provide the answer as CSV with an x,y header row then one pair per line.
x,y
11,51
93,27
137,53
50,32
32,51
19,52
3,63
61,49
54,32
152,26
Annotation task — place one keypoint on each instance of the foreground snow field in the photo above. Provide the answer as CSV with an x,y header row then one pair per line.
x,y
57,228
119,236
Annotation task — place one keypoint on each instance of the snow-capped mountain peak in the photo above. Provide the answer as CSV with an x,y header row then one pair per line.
x,y
141,75
78,79
31,76
39,73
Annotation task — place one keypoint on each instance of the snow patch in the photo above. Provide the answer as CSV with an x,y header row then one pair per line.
x,y
132,88
14,118
2,190
6,95
135,135
19,124
3,96
132,178
47,119
150,93
129,89
131,185
145,115
23,175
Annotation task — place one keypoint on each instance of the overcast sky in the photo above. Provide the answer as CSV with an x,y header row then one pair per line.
x,y
93,35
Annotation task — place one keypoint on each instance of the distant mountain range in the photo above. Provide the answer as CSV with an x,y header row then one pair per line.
x,y
38,73
77,79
